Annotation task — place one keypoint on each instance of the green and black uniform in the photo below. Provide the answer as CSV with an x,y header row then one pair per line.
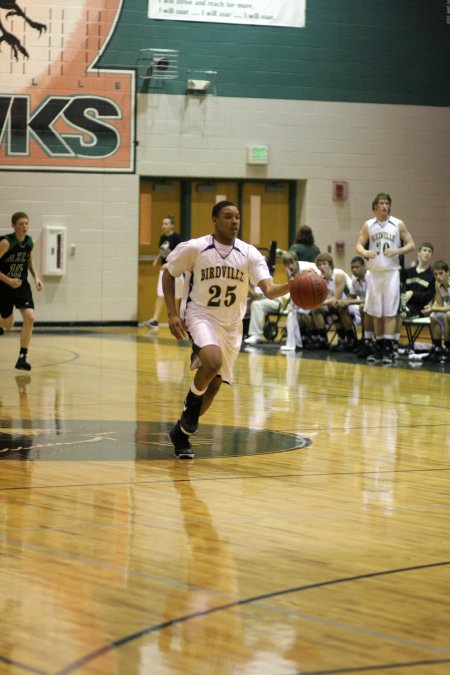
x,y
14,264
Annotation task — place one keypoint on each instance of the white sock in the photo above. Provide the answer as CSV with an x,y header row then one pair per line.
x,y
197,392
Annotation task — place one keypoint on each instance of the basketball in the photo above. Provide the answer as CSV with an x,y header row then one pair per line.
x,y
308,290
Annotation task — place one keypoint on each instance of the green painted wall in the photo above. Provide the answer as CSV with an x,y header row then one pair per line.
x,y
374,51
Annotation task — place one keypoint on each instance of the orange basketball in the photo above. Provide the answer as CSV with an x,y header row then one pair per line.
x,y
308,290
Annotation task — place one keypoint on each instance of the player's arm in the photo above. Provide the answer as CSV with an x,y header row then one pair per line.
x,y
435,304
419,297
37,281
408,242
339,286
438,302
272,290
350,299
13,283
157,260
176,323
362,242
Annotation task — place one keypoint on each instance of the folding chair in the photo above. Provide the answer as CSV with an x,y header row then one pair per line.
x,y
414,328
272,325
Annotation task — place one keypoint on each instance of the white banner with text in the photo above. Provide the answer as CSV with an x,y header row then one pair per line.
x,y
254,12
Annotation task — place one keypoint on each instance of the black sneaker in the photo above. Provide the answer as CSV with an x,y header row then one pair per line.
x,y
365,350
350,346
322,344
22,363
434,355
311,344
339,347
191,413
438,356
181,444
1,331
388,353
377,353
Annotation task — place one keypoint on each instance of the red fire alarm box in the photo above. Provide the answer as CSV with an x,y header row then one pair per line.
x,y
339,247
340,190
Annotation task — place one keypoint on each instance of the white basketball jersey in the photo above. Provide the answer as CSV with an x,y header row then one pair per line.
x,y
359,287
331,283
303,265
216,285
444,293
383,236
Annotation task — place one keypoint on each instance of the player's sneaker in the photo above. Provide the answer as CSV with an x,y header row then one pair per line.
x,y
365,350
181,444
253,340
434,355
151,323
388,353
191,413
1,331
377,353
22,363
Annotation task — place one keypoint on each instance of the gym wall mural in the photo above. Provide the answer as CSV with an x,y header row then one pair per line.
x,y
58,110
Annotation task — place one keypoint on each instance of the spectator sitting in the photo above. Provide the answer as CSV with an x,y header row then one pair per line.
x,y
418,287
446,357
304,246
439,312
297,317
330,311
258,312
356,297
254,293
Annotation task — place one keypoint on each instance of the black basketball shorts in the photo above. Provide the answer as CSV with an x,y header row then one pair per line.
x,y
21,298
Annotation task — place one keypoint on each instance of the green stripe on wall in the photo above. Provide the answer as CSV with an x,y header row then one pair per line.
x,y
379,51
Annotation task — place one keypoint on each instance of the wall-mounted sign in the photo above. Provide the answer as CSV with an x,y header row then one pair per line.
x,y
257,154
255,12
57,110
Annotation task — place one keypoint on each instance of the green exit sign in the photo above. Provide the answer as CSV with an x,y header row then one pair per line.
x,y
257,154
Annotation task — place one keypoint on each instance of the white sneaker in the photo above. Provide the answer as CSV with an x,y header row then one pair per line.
x,y
285,348
253,340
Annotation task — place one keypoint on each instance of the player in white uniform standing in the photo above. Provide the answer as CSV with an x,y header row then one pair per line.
x,y
218,269
381,241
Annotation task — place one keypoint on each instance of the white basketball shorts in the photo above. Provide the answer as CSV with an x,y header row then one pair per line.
x,y
204,331
383,294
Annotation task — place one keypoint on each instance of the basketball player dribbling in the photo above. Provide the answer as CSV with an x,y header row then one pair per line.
x,y
218,269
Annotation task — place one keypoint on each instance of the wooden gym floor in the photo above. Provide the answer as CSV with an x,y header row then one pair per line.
x,y
311,534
